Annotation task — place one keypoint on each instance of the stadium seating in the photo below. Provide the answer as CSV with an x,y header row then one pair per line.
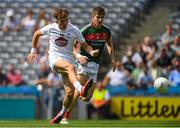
x,y
175,20
121,17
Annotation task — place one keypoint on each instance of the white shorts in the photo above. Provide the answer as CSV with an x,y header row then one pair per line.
x,y
53,57
90,70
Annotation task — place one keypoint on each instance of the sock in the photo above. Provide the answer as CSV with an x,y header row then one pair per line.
x,y
77,85
63,110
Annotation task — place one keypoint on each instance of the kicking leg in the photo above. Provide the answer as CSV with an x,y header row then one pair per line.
x,y
62,65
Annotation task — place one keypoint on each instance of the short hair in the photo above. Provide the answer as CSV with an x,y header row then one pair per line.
x,y
60,13
98,11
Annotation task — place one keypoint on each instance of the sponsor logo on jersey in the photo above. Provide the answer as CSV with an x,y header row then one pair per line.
x,y
96,36
61,41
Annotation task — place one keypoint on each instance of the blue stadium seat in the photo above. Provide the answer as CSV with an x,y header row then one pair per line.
x,y
117,90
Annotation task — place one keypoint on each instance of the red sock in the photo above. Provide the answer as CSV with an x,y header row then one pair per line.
x,y
66,114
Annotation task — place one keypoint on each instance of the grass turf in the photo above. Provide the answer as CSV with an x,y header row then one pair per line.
x,y
90,123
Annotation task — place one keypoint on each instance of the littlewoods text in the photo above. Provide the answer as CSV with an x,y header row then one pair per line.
x,y
149,109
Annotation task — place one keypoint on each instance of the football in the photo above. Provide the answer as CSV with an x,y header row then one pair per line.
x,y
161,84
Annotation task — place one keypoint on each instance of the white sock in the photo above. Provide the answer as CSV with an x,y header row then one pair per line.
x,y
77,85
63,110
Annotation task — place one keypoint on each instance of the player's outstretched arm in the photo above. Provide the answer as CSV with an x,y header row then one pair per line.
x,y
90,50
110,49
32,55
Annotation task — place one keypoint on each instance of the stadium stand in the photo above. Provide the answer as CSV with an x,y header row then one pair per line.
x,y
121,17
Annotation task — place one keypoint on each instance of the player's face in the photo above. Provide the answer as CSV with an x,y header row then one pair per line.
x,y
63,22
97,20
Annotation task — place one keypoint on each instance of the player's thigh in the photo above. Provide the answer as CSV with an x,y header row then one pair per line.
x,y
62,65
68,87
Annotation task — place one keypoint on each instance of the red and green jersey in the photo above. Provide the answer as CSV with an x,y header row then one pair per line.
x,y
96,38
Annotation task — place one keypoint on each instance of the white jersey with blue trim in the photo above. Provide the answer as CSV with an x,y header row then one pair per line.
x,y
62,41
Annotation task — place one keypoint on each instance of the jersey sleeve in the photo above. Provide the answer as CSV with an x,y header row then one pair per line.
x,y
45,30
79,35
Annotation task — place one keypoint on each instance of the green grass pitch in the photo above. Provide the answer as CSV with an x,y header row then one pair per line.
x,y
88,124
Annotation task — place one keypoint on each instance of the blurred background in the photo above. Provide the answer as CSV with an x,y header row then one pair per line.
x,y
146,38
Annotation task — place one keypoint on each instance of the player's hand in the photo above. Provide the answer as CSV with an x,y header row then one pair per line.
x,y
114,64
31,57
83,60
94,53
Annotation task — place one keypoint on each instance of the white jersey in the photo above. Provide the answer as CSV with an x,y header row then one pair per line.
x,y
62,41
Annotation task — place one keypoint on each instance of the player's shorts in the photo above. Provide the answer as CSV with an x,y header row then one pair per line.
x,y
90,70
53,57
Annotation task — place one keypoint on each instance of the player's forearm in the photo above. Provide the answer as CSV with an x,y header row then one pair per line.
x,y
87,47
111,51
35,39
90,50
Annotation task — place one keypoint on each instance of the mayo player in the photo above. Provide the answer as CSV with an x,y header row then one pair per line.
x,y
96,35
